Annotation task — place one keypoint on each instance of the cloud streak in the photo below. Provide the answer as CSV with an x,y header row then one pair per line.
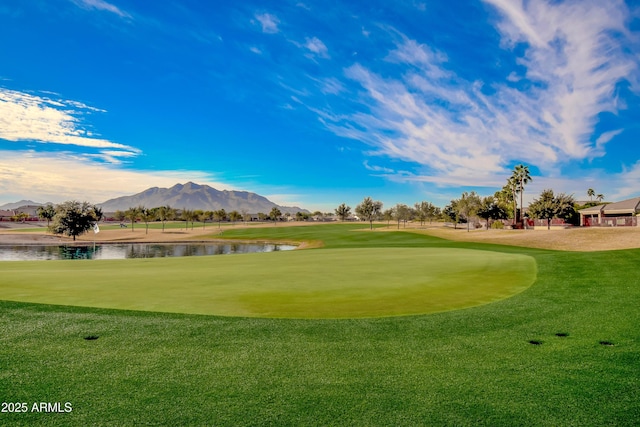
x,y
465,132
268,22
33,118
102,6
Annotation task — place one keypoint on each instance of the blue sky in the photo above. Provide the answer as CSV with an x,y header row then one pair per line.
x,y
318,103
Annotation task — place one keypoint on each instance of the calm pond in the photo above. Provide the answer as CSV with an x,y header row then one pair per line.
x,y
131,250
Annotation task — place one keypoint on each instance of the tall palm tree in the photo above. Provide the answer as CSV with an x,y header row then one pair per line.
x,y
522,177
509,192
165,213
146,215
591,193
132,215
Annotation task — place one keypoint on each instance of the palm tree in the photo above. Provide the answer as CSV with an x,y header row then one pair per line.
x,y
132,215
591,193
219,216
509,192
164,213
522,177
275,214
188,215
600,197
146,215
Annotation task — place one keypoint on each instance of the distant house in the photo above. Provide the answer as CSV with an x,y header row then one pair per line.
x,y
6,215
623,213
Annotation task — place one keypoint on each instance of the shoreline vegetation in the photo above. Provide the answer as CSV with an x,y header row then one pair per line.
x,y
578,239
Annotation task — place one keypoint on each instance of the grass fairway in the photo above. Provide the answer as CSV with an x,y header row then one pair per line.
x,y
461,367
332,283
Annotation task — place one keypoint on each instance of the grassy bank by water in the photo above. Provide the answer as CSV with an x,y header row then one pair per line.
x,y
565,351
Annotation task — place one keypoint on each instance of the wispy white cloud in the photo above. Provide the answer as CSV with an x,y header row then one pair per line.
x,y
316,47
57,177
268,22
34,118
466,133
103,6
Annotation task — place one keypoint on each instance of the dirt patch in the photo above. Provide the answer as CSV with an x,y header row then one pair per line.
x,y
580,239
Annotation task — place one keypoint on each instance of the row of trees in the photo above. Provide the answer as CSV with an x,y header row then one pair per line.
x,y
167,213
74,218
70,218
506,203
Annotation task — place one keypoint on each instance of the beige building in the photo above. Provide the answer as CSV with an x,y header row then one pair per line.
x,y
624,213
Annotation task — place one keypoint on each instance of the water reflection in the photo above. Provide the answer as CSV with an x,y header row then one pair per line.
x,y
130,250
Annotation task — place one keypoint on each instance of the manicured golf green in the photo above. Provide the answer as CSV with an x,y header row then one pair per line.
x,y
333,283
565,351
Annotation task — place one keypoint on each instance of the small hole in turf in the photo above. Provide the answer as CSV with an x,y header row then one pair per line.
x,y
562,334
607,343
91,337
535,342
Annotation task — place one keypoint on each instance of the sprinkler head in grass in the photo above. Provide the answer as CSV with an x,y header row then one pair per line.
x,y
562,334
535,342
91,337
606,343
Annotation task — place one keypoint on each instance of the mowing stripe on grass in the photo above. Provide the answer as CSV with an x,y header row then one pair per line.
x,y
332,283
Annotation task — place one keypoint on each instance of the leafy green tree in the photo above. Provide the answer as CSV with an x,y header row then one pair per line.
x,y
451,212
46,212
403,214
490,209
369,210
388,215
549,206
343,211
468,205
73,218
275,214
132,215
234,216
21,217
426,211
262,216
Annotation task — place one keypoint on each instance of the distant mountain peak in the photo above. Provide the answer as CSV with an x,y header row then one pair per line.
x,y
196,196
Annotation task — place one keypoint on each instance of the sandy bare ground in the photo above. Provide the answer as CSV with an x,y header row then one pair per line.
x,y
584,239
13,235
580,239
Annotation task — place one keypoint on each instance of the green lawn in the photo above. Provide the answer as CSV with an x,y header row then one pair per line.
x,y
462,367
330,283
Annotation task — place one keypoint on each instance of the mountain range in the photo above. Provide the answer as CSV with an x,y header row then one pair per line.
x,y
195,196
185,196
21,203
